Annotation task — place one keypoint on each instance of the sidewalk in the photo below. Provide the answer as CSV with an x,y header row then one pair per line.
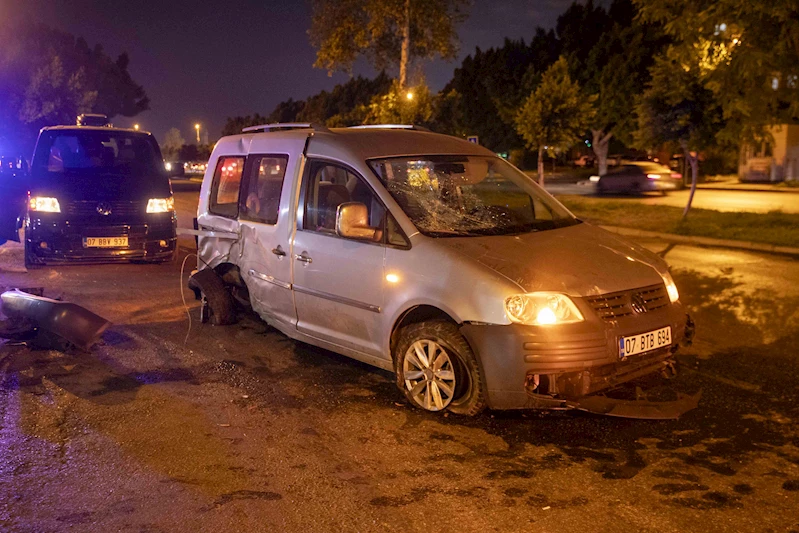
x,y
731,183
705,241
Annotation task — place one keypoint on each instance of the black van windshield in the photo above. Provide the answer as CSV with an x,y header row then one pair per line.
x,y
96,153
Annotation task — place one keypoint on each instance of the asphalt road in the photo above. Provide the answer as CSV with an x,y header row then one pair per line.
x,y
719,200
167,426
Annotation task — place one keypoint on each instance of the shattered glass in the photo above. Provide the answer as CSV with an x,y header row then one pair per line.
x,y
469,196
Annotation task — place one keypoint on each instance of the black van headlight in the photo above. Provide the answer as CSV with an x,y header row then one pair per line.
x,y
160,205
44,204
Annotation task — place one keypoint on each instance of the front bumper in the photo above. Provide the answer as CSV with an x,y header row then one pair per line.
x,y
524,364
52,239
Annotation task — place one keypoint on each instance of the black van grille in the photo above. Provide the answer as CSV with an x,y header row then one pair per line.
x,y
101,207
615,305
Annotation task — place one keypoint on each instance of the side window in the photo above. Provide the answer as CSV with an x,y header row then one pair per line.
x,y
330,186
395,236
264,183
225,187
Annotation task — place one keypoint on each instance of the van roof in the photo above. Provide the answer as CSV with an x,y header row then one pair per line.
x,y
361,143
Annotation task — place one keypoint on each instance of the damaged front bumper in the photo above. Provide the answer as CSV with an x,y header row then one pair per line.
x,y
573,367
71,322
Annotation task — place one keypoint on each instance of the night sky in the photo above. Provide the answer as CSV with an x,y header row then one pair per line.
x,y
205,61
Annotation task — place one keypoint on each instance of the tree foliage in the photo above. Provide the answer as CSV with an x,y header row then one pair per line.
x,y
402,106
173,141
746,53
678,110
49,77
556,114
343,30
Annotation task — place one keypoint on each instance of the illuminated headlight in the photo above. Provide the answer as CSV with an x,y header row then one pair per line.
x,y
671,288
160,205
653,176
541,309
168,167
44,204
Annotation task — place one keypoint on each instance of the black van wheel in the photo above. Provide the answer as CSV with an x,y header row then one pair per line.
x,y
217,298
30,259
437,370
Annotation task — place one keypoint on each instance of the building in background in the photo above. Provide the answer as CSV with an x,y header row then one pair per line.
x,y
777,160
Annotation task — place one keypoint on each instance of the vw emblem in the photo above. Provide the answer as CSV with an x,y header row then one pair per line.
x,y
638,303
104,208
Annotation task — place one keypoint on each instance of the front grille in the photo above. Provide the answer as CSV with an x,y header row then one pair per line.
x,y
117,208
617,305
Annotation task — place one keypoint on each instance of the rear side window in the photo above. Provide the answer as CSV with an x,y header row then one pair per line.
x,y
264,183
225,186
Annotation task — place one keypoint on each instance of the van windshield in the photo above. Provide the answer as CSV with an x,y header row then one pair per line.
x,y
452,196
95,153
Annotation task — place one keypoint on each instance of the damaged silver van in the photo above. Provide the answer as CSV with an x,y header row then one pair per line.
x,y
431,257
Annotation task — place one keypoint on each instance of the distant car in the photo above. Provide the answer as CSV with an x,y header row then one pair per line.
x,y
584,161
98,193
638,177
195,167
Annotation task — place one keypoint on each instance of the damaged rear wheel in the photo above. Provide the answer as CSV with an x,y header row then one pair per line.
x,y
437,370
216,298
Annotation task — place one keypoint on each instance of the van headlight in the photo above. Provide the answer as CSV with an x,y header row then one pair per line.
x,y
160,205
671,288
44,204
542,309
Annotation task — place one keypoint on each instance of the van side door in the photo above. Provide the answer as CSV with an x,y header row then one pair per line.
x,y
338,282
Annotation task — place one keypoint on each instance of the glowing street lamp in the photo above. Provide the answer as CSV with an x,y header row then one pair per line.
x,y
136,127
197,128
409,96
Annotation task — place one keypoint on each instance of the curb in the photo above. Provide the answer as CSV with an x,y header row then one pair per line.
x,y
705,241
743,189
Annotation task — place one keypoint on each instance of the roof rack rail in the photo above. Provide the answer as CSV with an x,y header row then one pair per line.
x,y
278,126
389,127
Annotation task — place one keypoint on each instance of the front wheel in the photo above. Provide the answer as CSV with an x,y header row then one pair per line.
x,y
437,370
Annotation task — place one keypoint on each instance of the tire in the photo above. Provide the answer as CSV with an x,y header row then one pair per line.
x,y
218,298
30,262
457,384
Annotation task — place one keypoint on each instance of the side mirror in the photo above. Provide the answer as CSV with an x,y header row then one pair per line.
x,y
352,222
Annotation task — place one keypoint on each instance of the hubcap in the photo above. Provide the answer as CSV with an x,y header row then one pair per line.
x,y
429,375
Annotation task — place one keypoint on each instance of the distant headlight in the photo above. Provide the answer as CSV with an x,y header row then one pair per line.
x,y
168,167
542,309
44,204
653,176
160,205
671,288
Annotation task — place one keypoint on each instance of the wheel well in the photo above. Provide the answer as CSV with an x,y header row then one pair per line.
x,y
230,274
420,313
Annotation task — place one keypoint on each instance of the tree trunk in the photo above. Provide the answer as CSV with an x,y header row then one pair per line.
x,y
541,166
600,146
406,46
693,160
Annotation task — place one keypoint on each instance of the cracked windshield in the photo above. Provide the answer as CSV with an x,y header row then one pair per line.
x,y
469,196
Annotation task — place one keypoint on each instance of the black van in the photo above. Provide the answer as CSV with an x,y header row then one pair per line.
x,y
98,194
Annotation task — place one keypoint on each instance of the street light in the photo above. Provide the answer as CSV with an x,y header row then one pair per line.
x,y
409,96
136,127
197,128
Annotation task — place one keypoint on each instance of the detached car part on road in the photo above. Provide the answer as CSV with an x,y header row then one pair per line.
x,y
97,193
430,256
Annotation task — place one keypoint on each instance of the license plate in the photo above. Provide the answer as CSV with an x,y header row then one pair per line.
x,y
644,342
105,242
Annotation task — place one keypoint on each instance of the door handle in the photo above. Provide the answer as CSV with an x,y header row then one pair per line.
x,y
303,257
278,251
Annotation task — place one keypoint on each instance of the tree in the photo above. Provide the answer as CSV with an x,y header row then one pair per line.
x,y
387,32
173,141
746,53
555,114
48,77
401,106
491,85
677,109
612,64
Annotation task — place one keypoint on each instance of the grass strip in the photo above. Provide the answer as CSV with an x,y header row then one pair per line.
x,y
777,228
